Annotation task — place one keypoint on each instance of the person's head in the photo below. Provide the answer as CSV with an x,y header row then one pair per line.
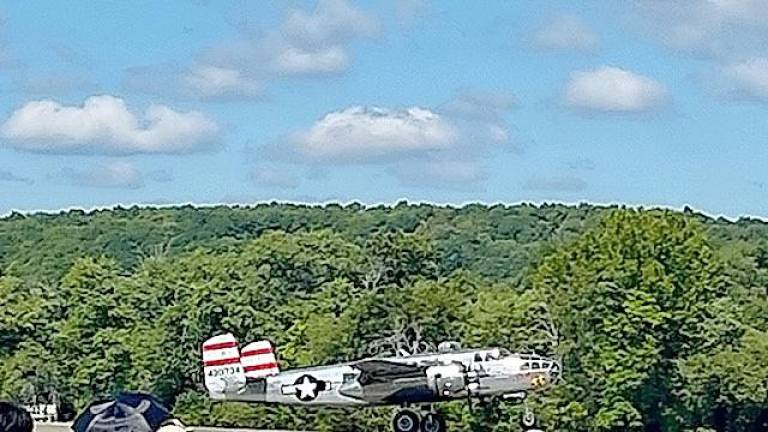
x,y
14,418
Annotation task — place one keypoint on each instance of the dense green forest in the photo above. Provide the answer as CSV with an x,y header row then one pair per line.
x,y
660,317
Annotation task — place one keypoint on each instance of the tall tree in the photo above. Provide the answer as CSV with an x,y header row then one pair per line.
x,y
632,297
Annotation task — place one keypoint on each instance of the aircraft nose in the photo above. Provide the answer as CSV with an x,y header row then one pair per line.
x,y
555,370
547,376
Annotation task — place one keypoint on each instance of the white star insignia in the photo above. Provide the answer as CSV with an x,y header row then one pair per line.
x,y
306,388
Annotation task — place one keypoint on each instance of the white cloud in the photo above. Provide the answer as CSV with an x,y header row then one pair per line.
x,y
567,33
104,125
211,83
437,147
466,127
708,27
556,184
361,134
747,79
201,82
333,21
611,89
305,43
295,61
113,175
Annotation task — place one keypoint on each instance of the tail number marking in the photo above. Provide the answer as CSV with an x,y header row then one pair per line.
x,y
224,371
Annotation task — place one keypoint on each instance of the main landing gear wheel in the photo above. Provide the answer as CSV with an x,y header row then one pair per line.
x,y
406,421
529,419
433,422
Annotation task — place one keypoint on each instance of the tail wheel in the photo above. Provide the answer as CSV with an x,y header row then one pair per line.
x,y
433,422
529,419
406,421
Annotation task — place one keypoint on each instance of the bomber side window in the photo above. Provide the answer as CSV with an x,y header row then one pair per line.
x,y
545,365
349,377
525,366
478,358
535,365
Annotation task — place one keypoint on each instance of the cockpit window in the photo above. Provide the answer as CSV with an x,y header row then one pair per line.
x,y
478,357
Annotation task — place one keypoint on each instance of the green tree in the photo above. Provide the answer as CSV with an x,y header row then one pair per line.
x,y
632,297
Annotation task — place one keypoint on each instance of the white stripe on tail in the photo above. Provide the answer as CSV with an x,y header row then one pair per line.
x,y
258,359
222,366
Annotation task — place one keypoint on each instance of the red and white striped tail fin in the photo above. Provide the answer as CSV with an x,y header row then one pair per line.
x,y
222,365
259,360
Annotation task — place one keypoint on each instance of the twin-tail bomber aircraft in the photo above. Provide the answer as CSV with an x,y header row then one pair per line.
x,y
251,374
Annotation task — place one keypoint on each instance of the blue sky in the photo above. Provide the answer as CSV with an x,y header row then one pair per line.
x,y
645,103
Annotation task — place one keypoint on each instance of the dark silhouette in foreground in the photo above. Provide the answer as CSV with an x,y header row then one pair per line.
x,y
134,412
14,418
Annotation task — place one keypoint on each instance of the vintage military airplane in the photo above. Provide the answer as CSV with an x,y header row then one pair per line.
x,y
251,374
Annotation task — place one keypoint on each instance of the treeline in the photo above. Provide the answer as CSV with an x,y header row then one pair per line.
x,y
660,317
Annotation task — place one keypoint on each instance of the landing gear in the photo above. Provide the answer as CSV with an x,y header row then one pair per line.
x,y
406,421
528,421
433,422
409,421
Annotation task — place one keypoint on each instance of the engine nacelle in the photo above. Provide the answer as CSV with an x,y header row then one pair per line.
x,y
448,346
447,380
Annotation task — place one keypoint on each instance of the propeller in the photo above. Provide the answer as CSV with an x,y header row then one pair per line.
x,y
469,402
472,383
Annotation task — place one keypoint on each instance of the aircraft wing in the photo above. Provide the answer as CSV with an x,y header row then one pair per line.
x,y
385,371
